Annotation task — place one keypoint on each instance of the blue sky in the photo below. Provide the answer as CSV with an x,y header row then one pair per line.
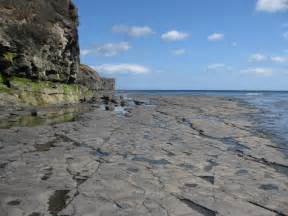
x,y
187,44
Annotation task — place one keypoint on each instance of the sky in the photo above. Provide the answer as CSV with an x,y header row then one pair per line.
x,y
187,44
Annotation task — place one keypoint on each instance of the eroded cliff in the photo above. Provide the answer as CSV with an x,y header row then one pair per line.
x,y
39,54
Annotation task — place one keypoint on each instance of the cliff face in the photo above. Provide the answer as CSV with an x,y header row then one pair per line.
x,y
90,78
42,37
39,44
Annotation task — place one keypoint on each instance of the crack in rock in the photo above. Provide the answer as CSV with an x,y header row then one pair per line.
x,y
280,168
197,207
268,209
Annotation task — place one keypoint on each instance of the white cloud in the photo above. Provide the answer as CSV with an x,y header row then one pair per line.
x,y
107,50
285,35
216,37
279,59
179,52
266,72
122,69
174,36
86,52
257,57
272,6
133,31
219,67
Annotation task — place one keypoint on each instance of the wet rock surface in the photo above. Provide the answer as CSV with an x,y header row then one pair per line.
x,y
181,156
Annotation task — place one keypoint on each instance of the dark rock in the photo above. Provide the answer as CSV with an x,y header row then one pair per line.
x,y
57,201
106,99
115,101
187,166
128,114
82,100
39,39
210,179
110,107
242,172
191,185
268,187
34,112
138,103
133,169
123,102
36,214
100,153
14,202
151,161
3,165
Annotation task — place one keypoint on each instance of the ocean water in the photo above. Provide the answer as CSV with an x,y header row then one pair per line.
x,y
273,105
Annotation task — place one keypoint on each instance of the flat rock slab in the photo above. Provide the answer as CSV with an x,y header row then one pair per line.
x,y
182,156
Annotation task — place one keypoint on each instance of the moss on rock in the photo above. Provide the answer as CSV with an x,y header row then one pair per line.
x,y
8,56
42,93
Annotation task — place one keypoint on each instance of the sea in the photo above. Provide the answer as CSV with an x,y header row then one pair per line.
x,y
272,118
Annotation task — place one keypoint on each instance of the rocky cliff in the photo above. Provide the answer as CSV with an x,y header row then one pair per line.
x,y
90,78
39,44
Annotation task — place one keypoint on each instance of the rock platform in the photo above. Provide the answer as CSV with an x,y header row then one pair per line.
x,y
167,156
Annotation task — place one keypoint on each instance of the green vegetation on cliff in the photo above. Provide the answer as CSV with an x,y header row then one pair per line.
x,y
41,93
40,57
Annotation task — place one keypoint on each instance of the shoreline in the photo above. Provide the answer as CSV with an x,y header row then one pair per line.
x,y
195,155
258,118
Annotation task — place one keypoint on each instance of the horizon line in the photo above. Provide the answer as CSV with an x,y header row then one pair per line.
x,y
244,90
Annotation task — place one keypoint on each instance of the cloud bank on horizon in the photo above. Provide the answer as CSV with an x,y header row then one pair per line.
x,y
212,52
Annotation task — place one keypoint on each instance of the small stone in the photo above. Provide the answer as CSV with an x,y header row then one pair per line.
x,y
114,100
14,202
109,107
106,100
123,103
128,114
191,185
138,103
133,169
268,187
